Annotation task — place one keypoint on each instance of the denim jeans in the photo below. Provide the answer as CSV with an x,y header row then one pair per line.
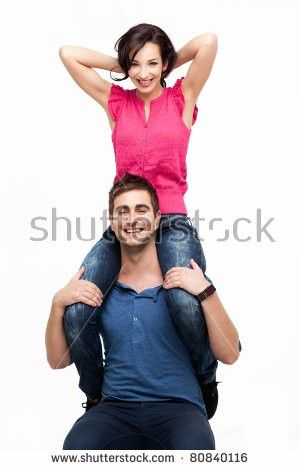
x,y
177,242
141,425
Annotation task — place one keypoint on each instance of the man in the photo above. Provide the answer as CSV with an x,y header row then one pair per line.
x,y
150,395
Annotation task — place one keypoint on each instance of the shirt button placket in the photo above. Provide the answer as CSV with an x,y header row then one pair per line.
x,y
144,148
135,336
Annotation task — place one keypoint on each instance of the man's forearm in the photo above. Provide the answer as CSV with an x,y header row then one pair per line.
x,y
223,336
58,354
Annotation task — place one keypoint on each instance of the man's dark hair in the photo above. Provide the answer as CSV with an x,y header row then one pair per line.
x,y
129,44
128,182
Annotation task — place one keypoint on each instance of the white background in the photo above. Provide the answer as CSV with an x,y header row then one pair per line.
x,y
56,151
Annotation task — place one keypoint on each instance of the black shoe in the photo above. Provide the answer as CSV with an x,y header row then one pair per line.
x,y
89,404
210,397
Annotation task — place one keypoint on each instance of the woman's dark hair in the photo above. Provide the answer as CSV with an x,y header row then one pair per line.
x,y
135,38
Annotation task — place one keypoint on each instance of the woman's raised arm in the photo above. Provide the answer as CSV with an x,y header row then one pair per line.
x,y
80,63
202,51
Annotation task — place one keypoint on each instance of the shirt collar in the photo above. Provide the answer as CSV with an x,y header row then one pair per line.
x,y
151,292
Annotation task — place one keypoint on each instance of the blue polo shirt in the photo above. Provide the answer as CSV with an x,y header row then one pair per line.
x,y
145,359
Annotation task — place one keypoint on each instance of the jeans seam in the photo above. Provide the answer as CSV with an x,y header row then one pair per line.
x,y
124,437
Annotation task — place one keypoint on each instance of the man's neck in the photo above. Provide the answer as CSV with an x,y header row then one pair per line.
x,y
140,267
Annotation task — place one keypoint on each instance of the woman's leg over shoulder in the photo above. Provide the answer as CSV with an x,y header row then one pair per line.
x,y
179,243
102,265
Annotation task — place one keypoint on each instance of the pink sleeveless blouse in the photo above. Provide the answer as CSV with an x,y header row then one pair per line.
x,y
155,149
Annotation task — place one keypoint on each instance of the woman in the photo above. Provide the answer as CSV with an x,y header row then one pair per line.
x,y
151,126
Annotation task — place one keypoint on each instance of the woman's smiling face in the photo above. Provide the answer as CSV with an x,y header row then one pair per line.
x,y
146,69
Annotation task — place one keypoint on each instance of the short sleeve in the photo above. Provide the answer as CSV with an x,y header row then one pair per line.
x,y
179,98
115,100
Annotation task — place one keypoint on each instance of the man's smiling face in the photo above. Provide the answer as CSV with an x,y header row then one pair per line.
x,y
133,219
